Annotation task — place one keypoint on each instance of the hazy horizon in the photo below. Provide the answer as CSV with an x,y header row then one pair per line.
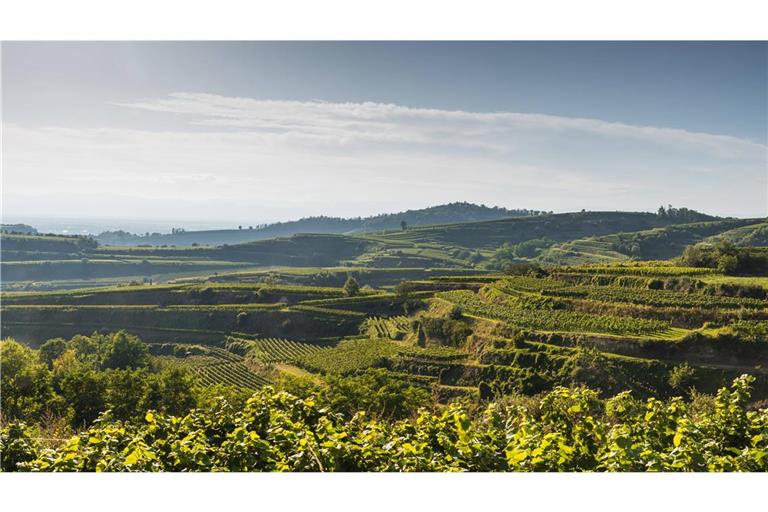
x,y
96,225
261,132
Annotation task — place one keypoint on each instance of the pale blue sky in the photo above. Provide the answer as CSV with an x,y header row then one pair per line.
x,y
263,131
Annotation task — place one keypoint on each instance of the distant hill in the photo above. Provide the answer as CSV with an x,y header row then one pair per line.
x,y
492,244
560,227
755,235
652,244
22,229
459,212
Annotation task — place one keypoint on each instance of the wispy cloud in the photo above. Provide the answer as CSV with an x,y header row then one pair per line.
x,y
388,122
274,158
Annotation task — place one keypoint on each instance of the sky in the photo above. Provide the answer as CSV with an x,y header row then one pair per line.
x,y
254,132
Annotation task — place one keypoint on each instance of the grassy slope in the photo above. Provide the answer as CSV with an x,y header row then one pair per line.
x,y
652,244
755,235
559,227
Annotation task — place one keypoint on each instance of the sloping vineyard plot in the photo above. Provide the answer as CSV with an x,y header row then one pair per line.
x,y
396,327
278,350
631,295
234,373
555,320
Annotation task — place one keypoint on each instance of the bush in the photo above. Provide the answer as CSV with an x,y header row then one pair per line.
x,y
682,376
351,287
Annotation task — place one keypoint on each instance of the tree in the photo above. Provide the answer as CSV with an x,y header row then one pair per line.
x,y
728,264
176,391
351,287
25,383
125,393
403,225
375,392
125,351
52,350
84,391
404,295
239,227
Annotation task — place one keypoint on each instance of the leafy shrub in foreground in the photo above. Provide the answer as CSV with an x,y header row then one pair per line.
x,y
567,430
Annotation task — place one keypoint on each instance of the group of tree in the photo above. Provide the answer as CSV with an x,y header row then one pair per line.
x,y
511,254
80,378
683,213
75,381
727,258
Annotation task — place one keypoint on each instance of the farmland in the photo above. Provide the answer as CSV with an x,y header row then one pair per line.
x,y
392,320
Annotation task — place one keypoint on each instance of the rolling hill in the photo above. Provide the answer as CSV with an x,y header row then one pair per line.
x,y
32,262
558,227
652,244
752,235
442,214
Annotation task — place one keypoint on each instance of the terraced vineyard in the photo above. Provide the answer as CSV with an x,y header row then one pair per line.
x,y
653,327
233,373
278,350
212,365
350,355
555,320
651,269
632,295
395,327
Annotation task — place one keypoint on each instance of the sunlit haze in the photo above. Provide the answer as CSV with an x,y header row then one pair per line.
x,y
259,132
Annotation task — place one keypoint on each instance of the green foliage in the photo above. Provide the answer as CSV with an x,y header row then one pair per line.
x,y
351,287
406,296
567,430
446,331
554,320
727,258
92,375
125,351
682,376
374,391
350,355
52,350
509,255
25,383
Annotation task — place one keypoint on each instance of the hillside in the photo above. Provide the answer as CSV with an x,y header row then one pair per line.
x,y
49,261
558,227
428,349
652,244
753,235
442,214
479,336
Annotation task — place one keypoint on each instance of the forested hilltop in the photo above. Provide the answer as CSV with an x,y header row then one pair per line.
x,y
442,214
